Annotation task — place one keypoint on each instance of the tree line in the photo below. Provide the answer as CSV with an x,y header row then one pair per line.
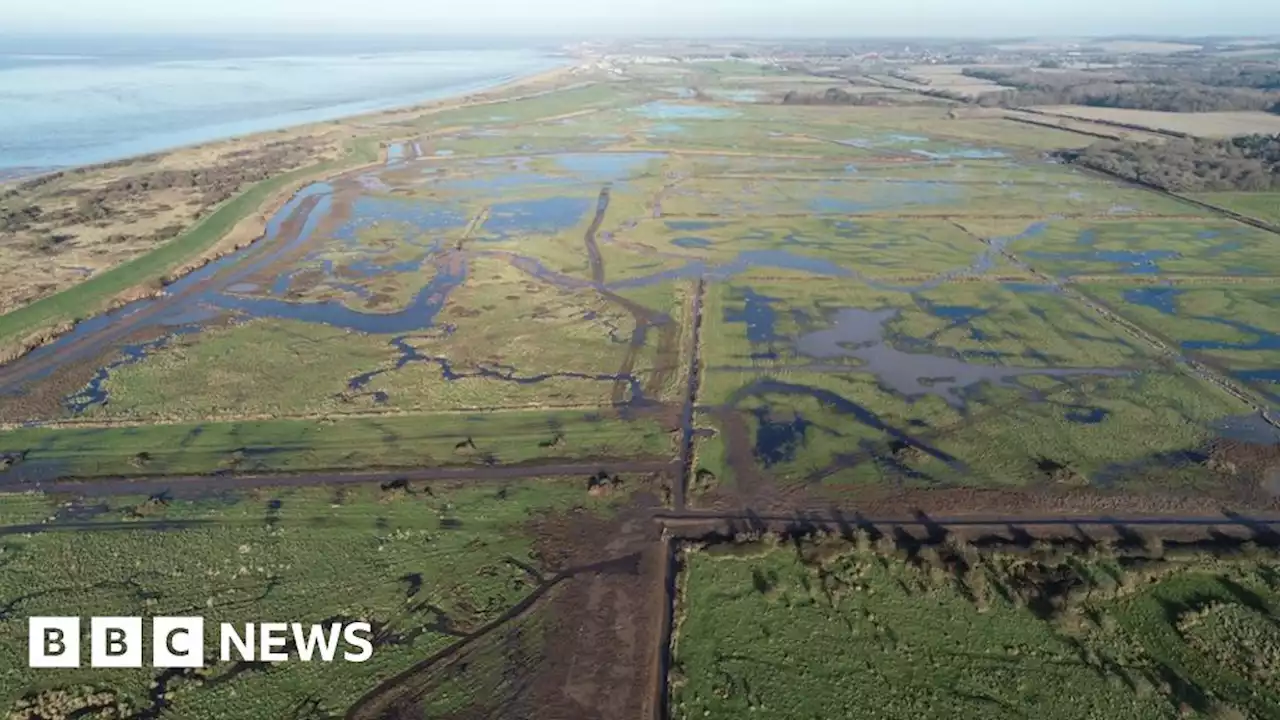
x,y
834,96
1165,89
1248,162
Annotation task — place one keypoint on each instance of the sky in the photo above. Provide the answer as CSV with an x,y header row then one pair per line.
x,y
719,18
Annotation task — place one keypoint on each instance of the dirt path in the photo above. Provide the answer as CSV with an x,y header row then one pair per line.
x,y
689,402
593,248
670,576
690,523
396,696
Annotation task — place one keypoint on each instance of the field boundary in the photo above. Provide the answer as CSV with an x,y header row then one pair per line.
x,y
176,484
72,424
1051,126
1232,214
1107,123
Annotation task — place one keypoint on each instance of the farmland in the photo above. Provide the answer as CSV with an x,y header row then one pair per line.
x,y
1202,124
497,365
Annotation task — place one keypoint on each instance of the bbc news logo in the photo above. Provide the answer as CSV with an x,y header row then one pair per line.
x,y
178,642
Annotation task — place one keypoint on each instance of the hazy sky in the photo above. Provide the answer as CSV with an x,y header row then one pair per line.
x,y
828,18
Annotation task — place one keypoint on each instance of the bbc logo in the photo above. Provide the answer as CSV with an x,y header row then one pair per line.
x,y
115,642
178,642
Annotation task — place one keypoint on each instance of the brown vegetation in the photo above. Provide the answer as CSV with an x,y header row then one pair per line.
x,y
65,227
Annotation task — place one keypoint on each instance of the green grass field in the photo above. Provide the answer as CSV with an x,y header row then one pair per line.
x,y
423,565
1259,205
988,323
525,109
1209,247
845,429
501,322
353,443
830,629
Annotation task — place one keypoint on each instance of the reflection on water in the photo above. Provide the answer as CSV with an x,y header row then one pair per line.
x,y
777,439
1165,300
605,167
1210,244
187,294
95,393
760,318
548,215
960,154
859,333
504,182
887,196
1134,262
779,435
1086,415
693,225
743,96
414,217
665,128
691,242
746,260
661,110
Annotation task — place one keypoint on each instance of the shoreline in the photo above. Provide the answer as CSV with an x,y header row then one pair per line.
x,y
253,224
15,176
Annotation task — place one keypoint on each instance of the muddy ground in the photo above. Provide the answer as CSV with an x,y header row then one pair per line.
x,y
582,646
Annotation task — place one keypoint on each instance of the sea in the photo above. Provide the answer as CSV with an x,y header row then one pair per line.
x,y
67,101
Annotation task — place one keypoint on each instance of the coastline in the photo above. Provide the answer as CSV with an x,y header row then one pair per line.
x,y
17,175
379,127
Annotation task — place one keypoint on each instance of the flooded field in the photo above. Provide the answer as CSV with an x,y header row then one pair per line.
x,y
835,299
569,326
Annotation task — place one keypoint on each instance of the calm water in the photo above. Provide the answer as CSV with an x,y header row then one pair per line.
x,y
72,101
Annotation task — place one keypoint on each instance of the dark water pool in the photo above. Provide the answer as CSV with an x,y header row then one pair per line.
x,y
860,334
760,318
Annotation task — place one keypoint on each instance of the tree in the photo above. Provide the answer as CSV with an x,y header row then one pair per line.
x,y
1249,162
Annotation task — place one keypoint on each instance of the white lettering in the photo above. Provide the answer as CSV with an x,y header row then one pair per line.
x,y
53,642
115,642
366,644
308,643
271,637
243,645
178,642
